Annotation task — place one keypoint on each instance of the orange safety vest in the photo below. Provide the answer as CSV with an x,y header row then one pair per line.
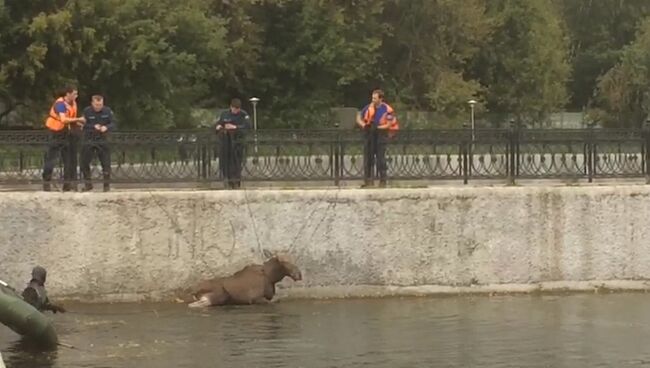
x,y
53,121
388,118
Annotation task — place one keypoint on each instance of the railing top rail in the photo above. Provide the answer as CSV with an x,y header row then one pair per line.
x,y
211,130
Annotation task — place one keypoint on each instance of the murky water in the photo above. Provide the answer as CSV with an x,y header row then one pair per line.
x,y
512,331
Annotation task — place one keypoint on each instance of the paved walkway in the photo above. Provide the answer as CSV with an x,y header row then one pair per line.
x,y
306,185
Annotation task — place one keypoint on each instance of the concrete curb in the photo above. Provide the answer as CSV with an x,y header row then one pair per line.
x,y
388,291
369,291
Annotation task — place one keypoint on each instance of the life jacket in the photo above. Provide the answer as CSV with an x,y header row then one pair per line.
x,y
53,121
388,118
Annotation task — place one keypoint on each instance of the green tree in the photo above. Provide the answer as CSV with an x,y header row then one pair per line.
x,y
158,61
20,60
312,51
155,59
426,53
524,66
624,91
244,41
4,90
599,30
152,59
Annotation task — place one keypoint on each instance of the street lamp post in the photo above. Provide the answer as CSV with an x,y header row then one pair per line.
x,y
471,105
254,101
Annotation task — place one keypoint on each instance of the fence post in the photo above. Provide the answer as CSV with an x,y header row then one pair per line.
x,y
22,161
464,151
646,134
337,156
517,142
590,153
511,152
203,158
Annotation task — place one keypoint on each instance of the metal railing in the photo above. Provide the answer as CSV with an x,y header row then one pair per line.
x,y
336,155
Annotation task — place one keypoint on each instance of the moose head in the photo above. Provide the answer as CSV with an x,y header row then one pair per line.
x,y
280,265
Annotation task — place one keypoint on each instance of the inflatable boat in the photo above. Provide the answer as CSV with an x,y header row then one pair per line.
x,y
25,320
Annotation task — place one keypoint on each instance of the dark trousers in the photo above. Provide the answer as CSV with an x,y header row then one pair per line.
x,y
231,157
89,149
374,155
64,145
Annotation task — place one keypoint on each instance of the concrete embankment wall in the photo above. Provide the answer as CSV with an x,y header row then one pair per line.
x,y
126,246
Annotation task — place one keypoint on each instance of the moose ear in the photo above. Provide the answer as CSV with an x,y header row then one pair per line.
x,y
267,253
283,257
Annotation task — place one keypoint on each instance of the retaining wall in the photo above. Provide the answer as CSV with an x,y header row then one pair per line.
x,y
127,246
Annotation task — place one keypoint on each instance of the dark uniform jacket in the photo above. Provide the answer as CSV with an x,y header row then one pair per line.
x,y
103,117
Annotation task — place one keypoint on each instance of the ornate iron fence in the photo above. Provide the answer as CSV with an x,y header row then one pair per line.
x,y
337,155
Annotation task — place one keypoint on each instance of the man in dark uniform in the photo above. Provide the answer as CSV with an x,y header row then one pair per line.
x,y
230,127
99,121
36,295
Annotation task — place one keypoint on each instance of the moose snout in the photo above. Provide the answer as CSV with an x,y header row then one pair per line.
x,y
296,276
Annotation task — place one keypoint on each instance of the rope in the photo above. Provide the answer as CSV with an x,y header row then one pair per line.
x,y
250,214
331,205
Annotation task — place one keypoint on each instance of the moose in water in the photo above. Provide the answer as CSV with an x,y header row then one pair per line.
x,y
253,284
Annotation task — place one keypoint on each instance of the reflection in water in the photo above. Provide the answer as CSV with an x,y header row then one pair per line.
x,y
509,331
24,354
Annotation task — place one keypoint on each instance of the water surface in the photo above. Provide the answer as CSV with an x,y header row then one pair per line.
x,y
586,330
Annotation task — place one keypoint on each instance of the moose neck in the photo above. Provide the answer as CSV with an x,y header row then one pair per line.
x,y
274,271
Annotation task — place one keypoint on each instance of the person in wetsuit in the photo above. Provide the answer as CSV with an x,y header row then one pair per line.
x,y
36,295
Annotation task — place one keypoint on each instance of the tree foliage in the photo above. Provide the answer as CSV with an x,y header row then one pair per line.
x,y
157,61
524,67
426,54
311,52
598,30
624,91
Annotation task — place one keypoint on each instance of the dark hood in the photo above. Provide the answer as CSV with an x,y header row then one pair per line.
x,y
39,274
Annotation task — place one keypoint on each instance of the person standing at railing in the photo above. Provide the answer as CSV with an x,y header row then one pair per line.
x,y
230,127
64,138
379,122
100,120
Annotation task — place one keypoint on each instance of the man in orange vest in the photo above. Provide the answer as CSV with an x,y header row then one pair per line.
x,y
63,123
378,121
